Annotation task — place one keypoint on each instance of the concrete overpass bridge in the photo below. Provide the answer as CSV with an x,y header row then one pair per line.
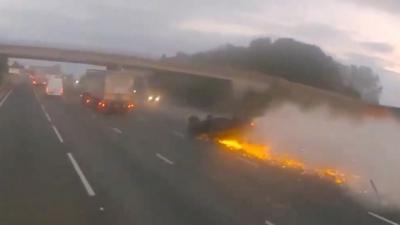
x,y
240,80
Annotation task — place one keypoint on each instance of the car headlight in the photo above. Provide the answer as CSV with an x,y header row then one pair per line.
x,y
150,98
157,98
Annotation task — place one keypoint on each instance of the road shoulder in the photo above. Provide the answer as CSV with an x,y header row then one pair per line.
x,y
5,85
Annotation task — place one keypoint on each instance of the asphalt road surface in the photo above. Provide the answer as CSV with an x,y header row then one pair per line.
x,y
62,163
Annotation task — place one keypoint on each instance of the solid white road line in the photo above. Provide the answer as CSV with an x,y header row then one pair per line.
x,y
178,134
269,222
57,133
5,97
165,159
382,218
116,130
78,170
44,109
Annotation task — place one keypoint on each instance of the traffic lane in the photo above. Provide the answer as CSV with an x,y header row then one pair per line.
x,y
251,192
141,116
298,198
187,158
317,208
190,175
149,127
38,185
123,175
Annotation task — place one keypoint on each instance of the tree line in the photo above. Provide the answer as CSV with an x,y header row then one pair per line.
x,y
296,62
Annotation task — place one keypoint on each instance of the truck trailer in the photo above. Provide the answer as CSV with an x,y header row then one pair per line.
x,y
108,91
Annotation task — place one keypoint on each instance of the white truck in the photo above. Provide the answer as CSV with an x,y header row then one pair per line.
x,y
14,71
55,87
108,91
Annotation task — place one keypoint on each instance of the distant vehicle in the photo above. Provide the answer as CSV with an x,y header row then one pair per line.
x,y
108,91
214,127
153,98
76,83
14,71
39,80
143,93
55,87
41,74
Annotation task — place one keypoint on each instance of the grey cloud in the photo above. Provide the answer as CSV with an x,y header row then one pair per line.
x,y
392,6
319,31
147,27
377,63
137,31
323,35
378,47
391,83
364,60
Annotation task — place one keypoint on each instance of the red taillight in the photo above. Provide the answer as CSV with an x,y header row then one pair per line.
x,y
34,82
130,106
102,104
87,100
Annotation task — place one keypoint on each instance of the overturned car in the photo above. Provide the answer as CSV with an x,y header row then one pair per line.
x,y
217,127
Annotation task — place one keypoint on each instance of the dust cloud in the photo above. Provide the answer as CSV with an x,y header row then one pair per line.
x,y
365,148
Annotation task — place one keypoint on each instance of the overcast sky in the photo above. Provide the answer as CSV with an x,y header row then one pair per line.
x,y
353,31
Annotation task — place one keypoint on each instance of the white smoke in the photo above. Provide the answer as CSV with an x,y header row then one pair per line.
x,y
367,147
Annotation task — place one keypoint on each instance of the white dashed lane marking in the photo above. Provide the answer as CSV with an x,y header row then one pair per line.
x,y
178,134
5,98
116,130
165,159
267,222
45,113
57,133
47,117
382,218
84,181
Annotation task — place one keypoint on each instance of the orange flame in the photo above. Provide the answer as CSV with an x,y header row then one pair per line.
x,y
263,152
258,151
335,175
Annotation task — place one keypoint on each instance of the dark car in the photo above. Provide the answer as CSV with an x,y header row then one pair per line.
x,y
214,127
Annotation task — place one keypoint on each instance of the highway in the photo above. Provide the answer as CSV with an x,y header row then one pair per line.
x,y
62,163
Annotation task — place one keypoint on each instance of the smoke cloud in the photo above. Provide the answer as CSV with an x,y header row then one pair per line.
x,y
365,148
